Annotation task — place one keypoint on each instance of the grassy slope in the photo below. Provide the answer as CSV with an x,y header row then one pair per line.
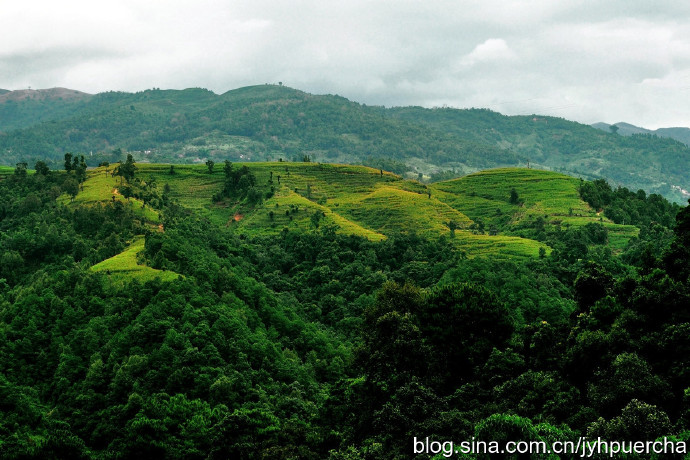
x,y
124,266
355,199
101,187
486,195
366,202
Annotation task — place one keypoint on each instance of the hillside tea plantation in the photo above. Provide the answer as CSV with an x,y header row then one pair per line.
x,y
303,310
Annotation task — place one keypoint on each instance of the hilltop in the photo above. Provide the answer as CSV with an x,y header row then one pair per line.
x,y
371,203
50,94
273,122
31,107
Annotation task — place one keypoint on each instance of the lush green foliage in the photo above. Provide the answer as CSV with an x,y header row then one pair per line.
x,y
259,123
269,122
147,325
622,205
641,161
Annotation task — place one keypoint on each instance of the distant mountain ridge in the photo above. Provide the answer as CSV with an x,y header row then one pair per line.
x,y
41,94
680,134
274,122
29,107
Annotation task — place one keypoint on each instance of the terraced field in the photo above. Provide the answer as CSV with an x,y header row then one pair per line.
x,y
353,199
552,196
541,193
9,170
124,266
100,187
390,209
375,204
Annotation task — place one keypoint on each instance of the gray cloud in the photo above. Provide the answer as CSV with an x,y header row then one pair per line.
x,y
588,61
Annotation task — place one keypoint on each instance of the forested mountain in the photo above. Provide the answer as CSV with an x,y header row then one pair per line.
x,y
626,129
23,108
300,310
679,134
269,122
641,161
257,123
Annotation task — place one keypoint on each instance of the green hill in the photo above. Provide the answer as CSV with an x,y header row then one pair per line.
x,y
257,123
540,196
374,204
505,213
272,122
640,161
679,134
24,108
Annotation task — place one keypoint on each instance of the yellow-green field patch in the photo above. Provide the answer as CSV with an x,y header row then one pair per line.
x,y
101,187
125,266
552,196
389,209
294,212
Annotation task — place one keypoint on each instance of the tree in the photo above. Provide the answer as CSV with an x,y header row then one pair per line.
x,y
254,195
613,129
42,168
127,169
79,167
209,165
677,258
592,283
463,323
316,218
71,186
452,225
68,161
628,377
20,170
477,226
638,420
392,348
514,198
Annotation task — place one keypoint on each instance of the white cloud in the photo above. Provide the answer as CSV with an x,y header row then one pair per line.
x,y
493,50
589,61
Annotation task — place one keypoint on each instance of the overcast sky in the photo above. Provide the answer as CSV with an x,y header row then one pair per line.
x,y
612,60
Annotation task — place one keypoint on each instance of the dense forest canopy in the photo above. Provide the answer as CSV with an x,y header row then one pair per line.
x,y
135,322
